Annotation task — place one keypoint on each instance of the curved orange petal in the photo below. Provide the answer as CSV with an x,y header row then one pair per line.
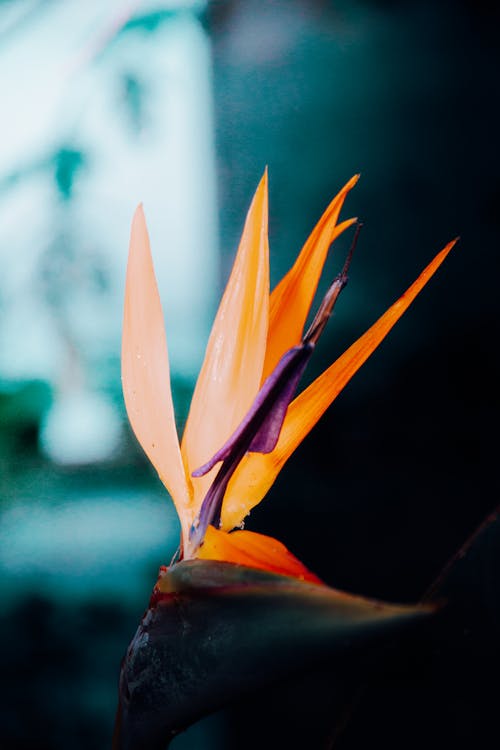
x,y
232,369
291,299
255,551
257,472
146,373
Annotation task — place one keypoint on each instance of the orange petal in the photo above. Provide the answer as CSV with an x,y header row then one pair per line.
x,y
232,369
146,373
292,297
257,472
254,551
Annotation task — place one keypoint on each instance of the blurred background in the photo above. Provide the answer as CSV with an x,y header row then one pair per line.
x,y
181,104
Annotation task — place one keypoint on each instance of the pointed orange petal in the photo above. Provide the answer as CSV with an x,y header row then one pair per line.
x,y
255,551
257,472
146,373
232,369
292,297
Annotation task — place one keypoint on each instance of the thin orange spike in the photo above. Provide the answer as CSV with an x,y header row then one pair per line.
x,y
255,551
292,298
146,372
257,472
232,369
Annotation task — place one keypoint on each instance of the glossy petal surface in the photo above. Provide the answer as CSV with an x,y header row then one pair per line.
x,y
232,369
146,373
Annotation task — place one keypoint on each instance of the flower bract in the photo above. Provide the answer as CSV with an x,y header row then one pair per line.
x,y
245,420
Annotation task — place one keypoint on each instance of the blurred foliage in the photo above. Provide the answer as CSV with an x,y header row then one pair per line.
x,y
22,406
68,161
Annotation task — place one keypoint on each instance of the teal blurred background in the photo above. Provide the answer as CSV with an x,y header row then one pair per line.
x,y
181,105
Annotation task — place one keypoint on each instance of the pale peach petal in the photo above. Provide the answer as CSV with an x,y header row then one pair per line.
x,y
232,369
146,373
292,297
257,472
255,551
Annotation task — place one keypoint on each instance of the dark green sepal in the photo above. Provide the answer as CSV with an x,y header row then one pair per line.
x,y
217,631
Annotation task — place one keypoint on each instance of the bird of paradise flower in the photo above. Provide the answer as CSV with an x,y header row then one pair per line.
x,y
244,422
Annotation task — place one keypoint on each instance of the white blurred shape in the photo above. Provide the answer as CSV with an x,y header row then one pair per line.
x,y
63,77
82,427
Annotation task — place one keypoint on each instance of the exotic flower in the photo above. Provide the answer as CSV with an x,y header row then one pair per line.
x,y
244,422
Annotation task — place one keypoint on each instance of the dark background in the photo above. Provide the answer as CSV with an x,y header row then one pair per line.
x,y
402,468
405,93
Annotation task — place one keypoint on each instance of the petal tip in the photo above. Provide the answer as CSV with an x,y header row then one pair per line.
x,y
447,248
139,216
348,186
264,180
351,183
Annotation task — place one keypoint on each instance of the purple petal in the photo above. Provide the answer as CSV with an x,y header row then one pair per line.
x,y
267,436
259,432
265,417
